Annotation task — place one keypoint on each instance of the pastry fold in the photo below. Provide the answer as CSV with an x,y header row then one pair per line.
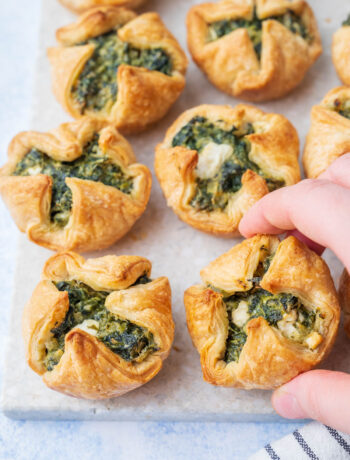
x,y
230,61
100,214
274,148
144,96
341,53
329,134
268,358
88,368
79,6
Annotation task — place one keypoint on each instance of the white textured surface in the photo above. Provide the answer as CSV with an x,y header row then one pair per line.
x,y
178,251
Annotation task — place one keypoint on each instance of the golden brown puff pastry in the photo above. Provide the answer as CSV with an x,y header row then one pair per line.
x,y
344,299
329,134
98,328
341,51
256,50
267,311
79,6
76,187
217,161
113,65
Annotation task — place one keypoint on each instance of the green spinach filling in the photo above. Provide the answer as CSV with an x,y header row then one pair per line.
x,y
254,28
347,21
96,87
258,302
342,107
91,165
214,192
126,339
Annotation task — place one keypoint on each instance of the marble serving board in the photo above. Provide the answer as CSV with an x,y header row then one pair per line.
x,y
176,250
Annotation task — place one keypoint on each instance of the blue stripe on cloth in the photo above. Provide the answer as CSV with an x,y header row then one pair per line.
x,y
271,452
305,446
340,440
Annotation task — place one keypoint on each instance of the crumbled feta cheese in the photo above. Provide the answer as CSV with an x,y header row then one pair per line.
x,y
212,158
34,170
286,326
240,316
313,340
89,325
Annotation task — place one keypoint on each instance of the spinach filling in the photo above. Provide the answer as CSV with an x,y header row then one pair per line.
x,y
254,28
96,87
214,192
342,107
91,165
241,307
126,339
347,21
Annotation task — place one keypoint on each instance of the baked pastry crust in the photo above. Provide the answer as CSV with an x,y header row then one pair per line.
x,y
231,63
341,53
344,299
144,96
268,359
329,134
89,369
79,6
274,148
100,214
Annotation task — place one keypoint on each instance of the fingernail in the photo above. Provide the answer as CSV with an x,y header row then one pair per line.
x,y
287,405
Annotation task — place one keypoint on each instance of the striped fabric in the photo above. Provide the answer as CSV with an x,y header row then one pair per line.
x,y
314,441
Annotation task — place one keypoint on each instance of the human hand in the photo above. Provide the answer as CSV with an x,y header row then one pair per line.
x,y
318,210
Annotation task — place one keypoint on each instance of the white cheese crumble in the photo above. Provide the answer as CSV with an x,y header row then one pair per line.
x,y
90,326
34,170
240,316
212,158
313,340
286,325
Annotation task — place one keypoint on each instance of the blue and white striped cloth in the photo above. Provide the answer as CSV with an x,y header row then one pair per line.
x,y
314,441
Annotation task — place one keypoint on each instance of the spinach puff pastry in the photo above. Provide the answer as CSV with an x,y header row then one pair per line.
x,y
256,50
329,134
79,6
76,187
344,298
341,51
98,328
217,161
267,311
114,65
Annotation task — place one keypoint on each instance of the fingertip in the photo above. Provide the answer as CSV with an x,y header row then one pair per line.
x,y
286,404
254,221
317,394
244,228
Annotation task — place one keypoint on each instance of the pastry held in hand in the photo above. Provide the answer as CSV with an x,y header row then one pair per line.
x,y
329,134
76,187
266,311
257,50
79,6
98,328
217,161
341,51
114,65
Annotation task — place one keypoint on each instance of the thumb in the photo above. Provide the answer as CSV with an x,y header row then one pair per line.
x,y
320,395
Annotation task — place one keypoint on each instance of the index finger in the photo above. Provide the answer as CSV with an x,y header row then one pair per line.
x,y
317,208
